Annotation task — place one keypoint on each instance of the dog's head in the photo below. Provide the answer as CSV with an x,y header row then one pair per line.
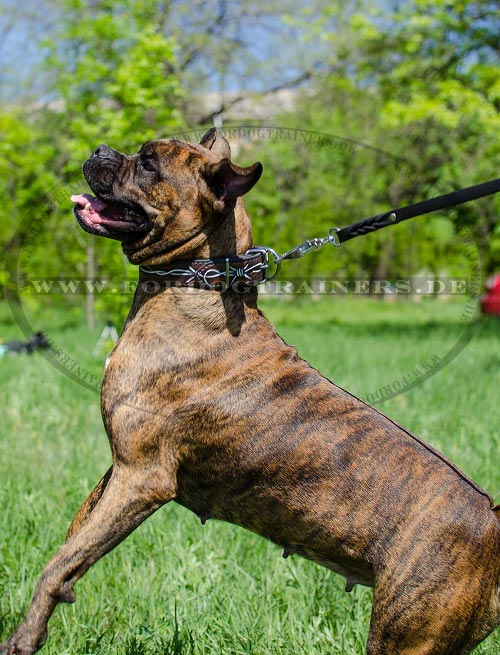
x,y
170,200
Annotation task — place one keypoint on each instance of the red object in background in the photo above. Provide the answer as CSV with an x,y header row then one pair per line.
x,y
490,301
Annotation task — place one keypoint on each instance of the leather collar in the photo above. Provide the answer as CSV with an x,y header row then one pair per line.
x,y
236,272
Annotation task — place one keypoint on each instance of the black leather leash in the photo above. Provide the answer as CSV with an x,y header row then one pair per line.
x,y
238,272
418,209
337,236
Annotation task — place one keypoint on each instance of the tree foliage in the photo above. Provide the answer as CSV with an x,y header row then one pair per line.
x,y
110,80
437,67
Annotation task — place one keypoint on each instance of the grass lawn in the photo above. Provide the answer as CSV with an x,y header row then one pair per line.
x,y
177,587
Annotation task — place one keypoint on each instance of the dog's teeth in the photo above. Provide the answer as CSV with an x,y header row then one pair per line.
x,y
87,207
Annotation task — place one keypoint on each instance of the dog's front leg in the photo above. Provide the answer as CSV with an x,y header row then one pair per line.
x,y
127,498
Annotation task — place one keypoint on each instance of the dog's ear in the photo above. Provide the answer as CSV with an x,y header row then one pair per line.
x,y
228,181
217,143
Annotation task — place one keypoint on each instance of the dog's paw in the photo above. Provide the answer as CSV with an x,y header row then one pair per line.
x,y
14,646
8,648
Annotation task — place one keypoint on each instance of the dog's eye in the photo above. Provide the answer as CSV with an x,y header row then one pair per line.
x,y
147,165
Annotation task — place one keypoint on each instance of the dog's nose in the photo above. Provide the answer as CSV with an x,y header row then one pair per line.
x,y
105,152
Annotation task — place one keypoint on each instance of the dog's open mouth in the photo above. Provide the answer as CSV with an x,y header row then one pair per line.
x,y
113,220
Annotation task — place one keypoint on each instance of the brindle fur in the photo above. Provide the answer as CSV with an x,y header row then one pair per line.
x,y
204,404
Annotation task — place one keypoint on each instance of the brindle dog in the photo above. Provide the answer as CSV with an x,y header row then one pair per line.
x,y
204,404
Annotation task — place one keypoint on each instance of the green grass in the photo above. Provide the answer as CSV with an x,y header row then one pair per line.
x,y
178,587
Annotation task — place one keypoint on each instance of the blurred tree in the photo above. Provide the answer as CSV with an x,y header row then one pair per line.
x,y
110,79
226,49
422,83
21,27
436,63
319,178
258,46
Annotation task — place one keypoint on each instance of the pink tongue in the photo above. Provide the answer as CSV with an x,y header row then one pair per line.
x,y
84,198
